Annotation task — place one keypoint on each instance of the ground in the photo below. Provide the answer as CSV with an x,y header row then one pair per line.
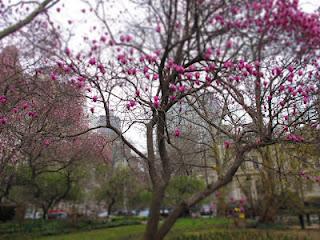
x,y
183,226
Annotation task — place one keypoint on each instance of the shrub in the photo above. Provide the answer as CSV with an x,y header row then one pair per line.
x,y
53,227
237,235
7,213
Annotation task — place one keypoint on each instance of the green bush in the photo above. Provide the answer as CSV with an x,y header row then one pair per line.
x,y
7,213
237,235
53,227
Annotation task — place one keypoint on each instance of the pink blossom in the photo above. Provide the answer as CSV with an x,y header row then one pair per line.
x,y
295,138
156,101
132,71
182,88
208,53
189,75
131,104
32,114
67,51
101,68
94,98
302,173
46,142
145,69
228,64
208,79
192,68
177,132
173,98
3,120
3,99
265,83
53,76
227,144
128,38
179,69
212,67
92,61
155,77
291,69
172,87
158,29
277,71
156,98
103,39
157,52
229,44
25,106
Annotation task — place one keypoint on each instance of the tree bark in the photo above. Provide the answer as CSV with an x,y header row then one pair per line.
x,y
45,213
196,198
308,219
301,220
110,205
154,215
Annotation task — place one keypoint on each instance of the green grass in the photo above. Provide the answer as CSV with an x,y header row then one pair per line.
x,y
135,232
56,227
128,232
182,227
123,233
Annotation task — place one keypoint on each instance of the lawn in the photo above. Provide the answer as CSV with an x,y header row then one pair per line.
x,y
183,226
129,232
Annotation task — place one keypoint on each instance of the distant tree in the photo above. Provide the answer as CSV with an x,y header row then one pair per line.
x,y
116,187
182,187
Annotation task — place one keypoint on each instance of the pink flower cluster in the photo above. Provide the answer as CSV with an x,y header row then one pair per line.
x,y
303,174
227,144
131,104
177,132
3,99
3,120
295,138
156,101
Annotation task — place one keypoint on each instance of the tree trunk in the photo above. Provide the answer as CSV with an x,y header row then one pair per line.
x,y
153,233
269,210
154,215
308,219
110,205
45,213
222,206
170,221
301,220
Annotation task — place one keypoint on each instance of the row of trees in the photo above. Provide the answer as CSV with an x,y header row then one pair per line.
x,y
39,164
